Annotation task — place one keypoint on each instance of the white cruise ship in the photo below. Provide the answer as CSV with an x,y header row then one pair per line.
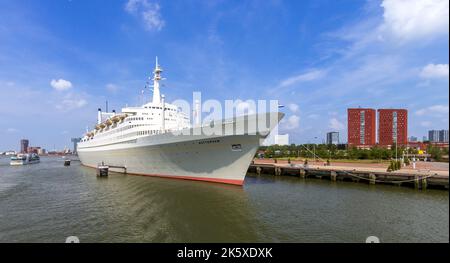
x,y
157,139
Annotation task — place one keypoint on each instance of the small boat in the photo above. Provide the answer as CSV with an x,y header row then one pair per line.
x,y
25,158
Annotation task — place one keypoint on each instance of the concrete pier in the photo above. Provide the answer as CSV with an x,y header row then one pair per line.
x,y
416,179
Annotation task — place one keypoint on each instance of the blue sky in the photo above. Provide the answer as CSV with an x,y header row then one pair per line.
x,y
60,60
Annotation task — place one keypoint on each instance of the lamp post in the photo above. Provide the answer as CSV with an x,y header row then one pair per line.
x,y
314,152
396,157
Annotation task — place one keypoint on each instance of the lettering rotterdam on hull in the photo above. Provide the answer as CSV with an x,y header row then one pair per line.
x,y
157,139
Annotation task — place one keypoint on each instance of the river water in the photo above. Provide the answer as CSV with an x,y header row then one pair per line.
x,y
48,202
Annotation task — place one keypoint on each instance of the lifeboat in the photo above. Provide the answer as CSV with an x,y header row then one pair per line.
x,y
115,119
97,127
102,125
108,122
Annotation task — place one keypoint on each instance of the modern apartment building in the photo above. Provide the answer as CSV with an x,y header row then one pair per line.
x,y
392,127
361,127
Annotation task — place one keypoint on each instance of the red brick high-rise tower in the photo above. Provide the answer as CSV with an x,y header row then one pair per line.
x,y
392,126
361,127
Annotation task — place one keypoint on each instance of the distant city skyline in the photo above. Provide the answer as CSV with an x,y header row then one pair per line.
x,y
438,135
61,60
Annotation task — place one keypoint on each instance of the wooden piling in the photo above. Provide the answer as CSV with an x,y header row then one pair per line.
x,y
278,171
424,183
302,173
417,181
372,178
333,176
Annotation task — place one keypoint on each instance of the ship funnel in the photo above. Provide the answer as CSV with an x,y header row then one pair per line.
x,y
99,116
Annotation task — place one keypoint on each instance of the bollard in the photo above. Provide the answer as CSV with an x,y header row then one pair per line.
x,y
258,170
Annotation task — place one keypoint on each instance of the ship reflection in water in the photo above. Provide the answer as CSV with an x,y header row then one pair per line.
x,y
48,202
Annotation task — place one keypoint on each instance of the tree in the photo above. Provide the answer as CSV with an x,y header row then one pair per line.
x,y
407,162
435,152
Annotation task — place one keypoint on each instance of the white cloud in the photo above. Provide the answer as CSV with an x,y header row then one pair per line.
x,y
152,18
335,124
435,71
132,5
309,76
112,88
412,19
11,130
293,107
71,102
148,11
61,84
435,109
245,106
313,116
425,124
293,122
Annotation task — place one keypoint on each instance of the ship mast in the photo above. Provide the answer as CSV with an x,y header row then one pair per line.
x,y
156,79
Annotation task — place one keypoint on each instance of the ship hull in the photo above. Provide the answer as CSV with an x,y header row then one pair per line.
x,y
193,155
215,159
